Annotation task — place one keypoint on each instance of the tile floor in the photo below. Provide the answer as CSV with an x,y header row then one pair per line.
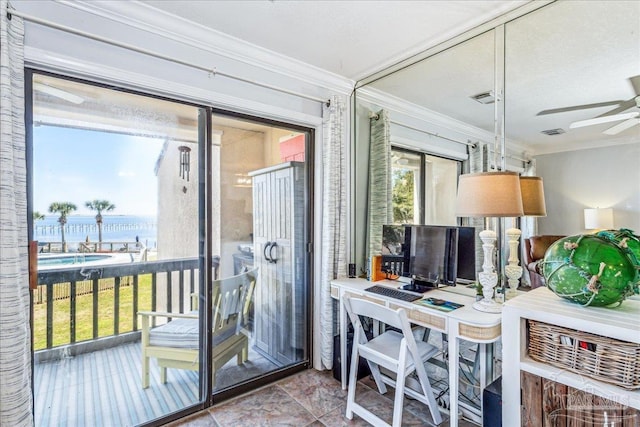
x,y
310,398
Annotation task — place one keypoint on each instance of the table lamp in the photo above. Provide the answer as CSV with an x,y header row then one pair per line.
x,y
489,195
598,219
532,190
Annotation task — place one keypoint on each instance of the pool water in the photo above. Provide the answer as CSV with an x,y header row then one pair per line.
x,y
70,259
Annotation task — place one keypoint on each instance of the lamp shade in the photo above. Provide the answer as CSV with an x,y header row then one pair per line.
x,y
598,219
532,196
489,194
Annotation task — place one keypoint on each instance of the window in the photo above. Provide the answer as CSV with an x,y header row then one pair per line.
x,y
423,188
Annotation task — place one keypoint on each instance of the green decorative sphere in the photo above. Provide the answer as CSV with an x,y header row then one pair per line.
x,y
594,269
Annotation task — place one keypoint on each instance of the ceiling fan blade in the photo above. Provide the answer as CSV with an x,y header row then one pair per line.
x,y
58,93
579,107
620,127
603,119
624,106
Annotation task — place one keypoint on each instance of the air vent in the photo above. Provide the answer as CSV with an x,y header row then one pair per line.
x,y
550,132
484,98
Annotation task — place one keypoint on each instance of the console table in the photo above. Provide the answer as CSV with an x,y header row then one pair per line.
x,y
619,323
464,323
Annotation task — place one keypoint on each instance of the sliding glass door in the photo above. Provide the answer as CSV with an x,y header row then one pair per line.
x,y
262,223
115,196
144,209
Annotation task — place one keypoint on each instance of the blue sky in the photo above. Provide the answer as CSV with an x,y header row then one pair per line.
x,y
71,165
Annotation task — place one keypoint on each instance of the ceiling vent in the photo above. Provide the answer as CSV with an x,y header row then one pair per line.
x,y
484,98
551,132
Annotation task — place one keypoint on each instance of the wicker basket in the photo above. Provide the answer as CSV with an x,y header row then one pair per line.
x,y
605,359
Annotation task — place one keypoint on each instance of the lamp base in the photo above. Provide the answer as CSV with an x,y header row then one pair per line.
x,y
488,306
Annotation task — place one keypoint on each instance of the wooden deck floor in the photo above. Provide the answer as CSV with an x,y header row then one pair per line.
x,y
103,388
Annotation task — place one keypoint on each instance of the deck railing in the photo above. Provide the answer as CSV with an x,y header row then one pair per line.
x,y
91,279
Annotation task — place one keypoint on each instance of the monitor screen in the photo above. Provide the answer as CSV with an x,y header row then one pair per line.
x,y
466,255
433,254
430,253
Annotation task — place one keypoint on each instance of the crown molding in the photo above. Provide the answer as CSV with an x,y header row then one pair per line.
x,y
431,117
147,18
409,109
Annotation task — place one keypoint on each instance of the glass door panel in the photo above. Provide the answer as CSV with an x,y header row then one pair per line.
x,y
115,193
261,210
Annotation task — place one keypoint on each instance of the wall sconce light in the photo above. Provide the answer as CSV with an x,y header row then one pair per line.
x,y
185,161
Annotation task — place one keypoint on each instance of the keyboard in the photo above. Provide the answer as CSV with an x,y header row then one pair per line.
x,y
393,293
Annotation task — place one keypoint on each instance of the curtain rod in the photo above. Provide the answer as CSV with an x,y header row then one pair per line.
x,y
468,143
211,71
375,116
509,156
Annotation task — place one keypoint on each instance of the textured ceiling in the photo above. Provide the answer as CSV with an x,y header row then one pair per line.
x,y
566,54
349,38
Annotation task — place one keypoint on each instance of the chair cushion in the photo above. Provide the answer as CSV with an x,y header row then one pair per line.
x,y
179,333
183,333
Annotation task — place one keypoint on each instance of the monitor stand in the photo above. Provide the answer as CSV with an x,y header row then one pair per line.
x,y
420,286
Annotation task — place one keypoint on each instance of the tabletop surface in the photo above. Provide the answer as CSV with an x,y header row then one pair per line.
x,y
459,294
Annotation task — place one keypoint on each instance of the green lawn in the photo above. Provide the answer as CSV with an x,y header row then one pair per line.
x,y
84,314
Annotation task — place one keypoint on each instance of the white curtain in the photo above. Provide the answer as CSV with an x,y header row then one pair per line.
x,y
380,209
15,337
334,218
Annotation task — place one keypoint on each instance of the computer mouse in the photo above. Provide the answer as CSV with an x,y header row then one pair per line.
x,y
437,301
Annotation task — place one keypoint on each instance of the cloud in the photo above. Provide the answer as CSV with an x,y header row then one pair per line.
x,y
126,174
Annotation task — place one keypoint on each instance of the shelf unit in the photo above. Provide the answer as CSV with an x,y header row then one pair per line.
x,y
621,323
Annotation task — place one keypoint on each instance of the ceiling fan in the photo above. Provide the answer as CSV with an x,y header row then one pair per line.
x,y
620,113
630,119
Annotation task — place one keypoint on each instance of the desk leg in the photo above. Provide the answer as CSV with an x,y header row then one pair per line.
x,y
343,343
454,355
486,364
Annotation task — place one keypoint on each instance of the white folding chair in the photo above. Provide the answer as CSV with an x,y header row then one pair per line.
x,y
397,352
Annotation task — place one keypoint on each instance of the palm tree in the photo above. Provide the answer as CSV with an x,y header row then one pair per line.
x,y
62,208
100,206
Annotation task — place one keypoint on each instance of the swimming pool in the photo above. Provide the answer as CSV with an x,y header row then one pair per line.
x,y
49,261
53,260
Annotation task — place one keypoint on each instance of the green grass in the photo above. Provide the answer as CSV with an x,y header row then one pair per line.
x,y
84,314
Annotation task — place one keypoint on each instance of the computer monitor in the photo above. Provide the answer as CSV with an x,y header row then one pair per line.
x,y
466,270
430,253
433,254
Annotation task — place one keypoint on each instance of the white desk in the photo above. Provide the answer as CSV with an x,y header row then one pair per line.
x,y
463,323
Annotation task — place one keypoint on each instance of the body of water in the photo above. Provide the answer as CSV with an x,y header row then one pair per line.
x,y
115,228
